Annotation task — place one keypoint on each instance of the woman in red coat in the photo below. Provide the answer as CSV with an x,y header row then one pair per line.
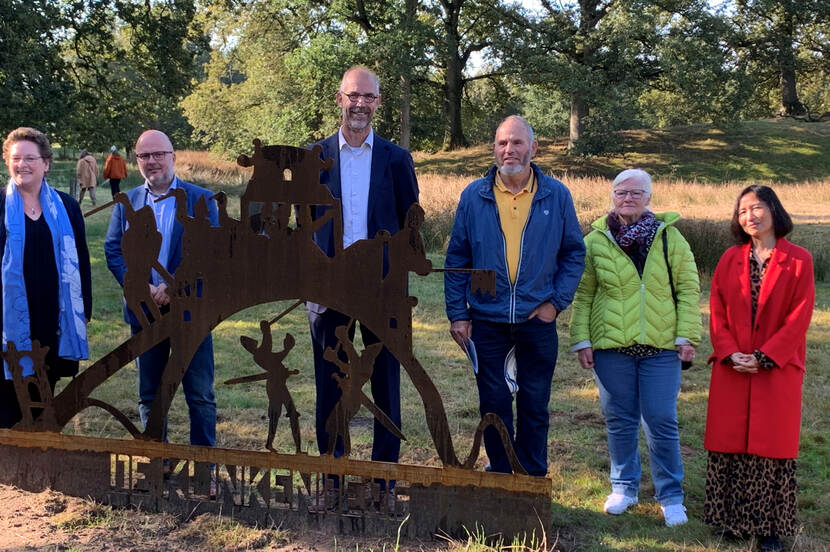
x,y
761,303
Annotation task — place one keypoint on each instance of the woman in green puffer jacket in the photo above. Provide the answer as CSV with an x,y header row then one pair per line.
x,y
635,318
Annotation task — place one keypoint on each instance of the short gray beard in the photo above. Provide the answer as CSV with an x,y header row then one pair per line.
x,y
512,169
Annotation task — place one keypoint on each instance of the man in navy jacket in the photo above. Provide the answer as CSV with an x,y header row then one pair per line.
x,y
520,223
156,160
375,182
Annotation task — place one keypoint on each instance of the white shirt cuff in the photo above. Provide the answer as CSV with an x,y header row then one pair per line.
x,y
581,345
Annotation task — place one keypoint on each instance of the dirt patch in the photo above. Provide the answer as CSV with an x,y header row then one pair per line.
x,y
52,521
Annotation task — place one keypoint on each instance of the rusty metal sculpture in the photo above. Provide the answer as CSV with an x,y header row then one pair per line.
x,y
220,275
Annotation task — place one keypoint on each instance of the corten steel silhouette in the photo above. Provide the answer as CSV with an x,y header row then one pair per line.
x,y
265,257
356,371
276,376
141,244
237,265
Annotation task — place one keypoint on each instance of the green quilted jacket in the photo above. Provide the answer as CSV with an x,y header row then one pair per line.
x,y
614,307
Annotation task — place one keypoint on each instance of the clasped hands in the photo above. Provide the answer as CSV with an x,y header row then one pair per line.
x,y
744,362
159,294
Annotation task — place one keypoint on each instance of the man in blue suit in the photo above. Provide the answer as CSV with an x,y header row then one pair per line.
x,y
156,160
375,182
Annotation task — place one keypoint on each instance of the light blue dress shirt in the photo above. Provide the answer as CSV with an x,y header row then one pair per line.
x,y
165,212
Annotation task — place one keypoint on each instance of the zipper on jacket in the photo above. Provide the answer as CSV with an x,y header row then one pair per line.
x,y
663,226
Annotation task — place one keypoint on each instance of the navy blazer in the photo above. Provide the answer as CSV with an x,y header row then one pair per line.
x,y
118,224
393,188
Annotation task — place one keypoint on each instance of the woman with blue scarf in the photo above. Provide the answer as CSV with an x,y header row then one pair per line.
x,y
46,282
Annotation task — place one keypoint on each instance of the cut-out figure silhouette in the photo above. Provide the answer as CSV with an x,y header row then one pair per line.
x,y
276,375
140,246
356,371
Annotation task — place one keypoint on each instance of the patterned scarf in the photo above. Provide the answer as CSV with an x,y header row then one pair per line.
x,y
635,239
72,343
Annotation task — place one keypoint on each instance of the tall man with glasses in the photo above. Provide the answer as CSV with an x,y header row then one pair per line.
x,y
156,160
521,223
375,181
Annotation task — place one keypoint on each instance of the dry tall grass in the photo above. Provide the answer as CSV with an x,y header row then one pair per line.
x,y
706,210
207,167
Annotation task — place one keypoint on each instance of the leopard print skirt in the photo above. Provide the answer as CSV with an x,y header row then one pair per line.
x,y
751,495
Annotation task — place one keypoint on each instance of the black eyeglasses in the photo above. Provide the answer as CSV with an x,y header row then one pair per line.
x,y
156,155
29,159
354,97
635,194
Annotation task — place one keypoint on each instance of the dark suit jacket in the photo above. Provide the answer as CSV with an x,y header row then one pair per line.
x,y
118,224
393,188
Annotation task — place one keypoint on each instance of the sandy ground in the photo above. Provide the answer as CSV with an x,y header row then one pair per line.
x,y
50,521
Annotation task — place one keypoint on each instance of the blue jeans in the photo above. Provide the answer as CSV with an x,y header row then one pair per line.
x,y
642,388
197,383
536,345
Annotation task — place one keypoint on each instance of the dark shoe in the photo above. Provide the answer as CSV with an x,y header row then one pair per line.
x,y
770,544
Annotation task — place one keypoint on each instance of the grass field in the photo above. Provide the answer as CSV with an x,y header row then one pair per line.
x,y
577,450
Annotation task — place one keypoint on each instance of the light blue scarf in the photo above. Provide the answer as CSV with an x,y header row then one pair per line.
x,y
72,343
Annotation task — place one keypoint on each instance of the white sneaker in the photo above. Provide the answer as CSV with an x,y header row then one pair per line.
x,y
674,514
617,503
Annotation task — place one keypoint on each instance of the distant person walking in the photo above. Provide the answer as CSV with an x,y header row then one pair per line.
x,y
115,169
87,173
761,305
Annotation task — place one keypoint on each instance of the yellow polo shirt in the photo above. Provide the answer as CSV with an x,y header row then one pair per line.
x,y
513,212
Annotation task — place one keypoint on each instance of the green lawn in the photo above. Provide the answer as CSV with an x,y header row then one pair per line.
x,y
771,150
577,450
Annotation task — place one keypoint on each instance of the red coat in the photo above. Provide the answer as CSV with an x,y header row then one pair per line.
x,y
759,413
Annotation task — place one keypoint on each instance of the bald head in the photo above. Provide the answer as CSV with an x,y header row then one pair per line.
x,y
154,137
359,72
156,160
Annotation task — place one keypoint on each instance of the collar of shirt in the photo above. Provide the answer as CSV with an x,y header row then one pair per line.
x,y
529,187
368,142
150,193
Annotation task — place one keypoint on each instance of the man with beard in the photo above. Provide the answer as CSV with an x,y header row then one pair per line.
x,y
375,182
520,223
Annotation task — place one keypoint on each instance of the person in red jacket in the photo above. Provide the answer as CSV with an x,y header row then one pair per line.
x,y
115,169
761,304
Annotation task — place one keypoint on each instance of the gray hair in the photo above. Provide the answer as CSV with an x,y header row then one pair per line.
x,y
523,121
638,175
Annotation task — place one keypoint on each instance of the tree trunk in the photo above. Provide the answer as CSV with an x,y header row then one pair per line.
x,y
406,80
453,78
406,102
579,110
790,104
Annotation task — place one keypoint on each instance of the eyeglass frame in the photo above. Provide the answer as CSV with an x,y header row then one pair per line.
x,y
355,97
156,155
28,159
635,194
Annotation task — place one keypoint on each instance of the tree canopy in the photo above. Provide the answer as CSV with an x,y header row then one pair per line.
x,y
218,73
